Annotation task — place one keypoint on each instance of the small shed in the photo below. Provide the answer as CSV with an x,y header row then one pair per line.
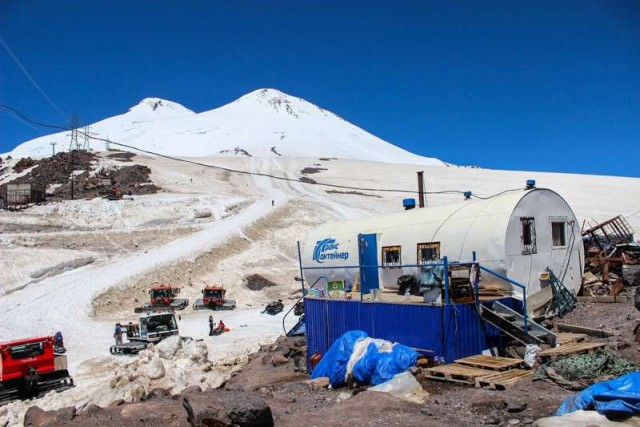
x,y
23,194
518,234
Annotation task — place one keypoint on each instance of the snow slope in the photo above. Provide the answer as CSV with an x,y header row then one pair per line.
x,y
64,301
263,123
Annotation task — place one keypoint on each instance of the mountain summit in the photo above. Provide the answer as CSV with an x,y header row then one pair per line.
x,y
262,123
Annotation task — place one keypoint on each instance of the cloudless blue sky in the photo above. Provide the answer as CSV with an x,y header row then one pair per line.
x,y
541,85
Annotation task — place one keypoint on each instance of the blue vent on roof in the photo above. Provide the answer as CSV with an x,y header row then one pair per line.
x,y
409,203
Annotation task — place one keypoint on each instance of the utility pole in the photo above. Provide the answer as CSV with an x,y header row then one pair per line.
x,y
421,196
53,148
87,133
72,143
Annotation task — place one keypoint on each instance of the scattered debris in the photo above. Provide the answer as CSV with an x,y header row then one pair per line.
x,y
309,170
353,192
611,258
598,333
256,282
123,156
274,151
307,180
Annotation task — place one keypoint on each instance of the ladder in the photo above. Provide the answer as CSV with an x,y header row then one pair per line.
x,y
513,323
563,300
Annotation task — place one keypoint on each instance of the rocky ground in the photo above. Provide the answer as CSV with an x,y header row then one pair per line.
x,y
273,388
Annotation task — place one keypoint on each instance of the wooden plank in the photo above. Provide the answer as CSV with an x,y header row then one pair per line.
x,y
569,337
503,380
490,362
604,299
456,373
598,333
571,348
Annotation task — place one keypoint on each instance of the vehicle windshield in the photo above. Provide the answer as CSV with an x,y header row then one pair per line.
x,y
211,293
161,293
25,351
162,323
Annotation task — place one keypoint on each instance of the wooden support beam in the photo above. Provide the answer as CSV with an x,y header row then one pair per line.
x,y
598,333
604,299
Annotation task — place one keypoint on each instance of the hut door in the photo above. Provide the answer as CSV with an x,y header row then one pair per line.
x,y
368,252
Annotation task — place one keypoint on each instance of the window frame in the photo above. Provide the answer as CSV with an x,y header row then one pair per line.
x,y
530,248
562,221
432,245
385,250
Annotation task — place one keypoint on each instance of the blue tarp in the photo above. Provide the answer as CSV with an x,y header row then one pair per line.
x,y
375,367
619,396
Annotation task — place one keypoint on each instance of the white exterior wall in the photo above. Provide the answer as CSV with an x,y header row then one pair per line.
x,y
489,227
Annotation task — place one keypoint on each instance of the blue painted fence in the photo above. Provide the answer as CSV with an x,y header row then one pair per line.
x,y
451,331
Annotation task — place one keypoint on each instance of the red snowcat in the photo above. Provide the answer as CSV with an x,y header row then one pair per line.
x,y
163,297
29,368
213,299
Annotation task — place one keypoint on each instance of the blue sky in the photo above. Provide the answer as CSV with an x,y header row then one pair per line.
x,y
540,85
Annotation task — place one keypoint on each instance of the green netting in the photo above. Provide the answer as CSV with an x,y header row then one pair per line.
x,y
587,366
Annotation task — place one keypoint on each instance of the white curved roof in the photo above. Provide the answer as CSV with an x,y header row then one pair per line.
x,y
460,227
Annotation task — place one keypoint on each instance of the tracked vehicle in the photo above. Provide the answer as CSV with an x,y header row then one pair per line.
x,y
151,328
29,368
162,297
213,299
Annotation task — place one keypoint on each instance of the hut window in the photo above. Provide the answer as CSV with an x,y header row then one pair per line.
x,y
558,235
528,236
391,256
428,252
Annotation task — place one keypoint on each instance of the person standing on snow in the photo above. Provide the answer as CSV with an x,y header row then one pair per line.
x,y
118,334
211,325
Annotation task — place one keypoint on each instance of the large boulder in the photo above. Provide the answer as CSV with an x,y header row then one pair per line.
x,y
167,348
36,416
155,369
227,407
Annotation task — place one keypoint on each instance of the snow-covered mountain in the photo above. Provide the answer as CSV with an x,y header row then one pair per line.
x,y
263,123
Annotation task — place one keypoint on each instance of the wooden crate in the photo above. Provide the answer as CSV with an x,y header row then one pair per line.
x,y
503,380
456,373
490,362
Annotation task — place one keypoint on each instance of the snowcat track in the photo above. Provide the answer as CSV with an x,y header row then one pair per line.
x,y
178,304
129,348
58,381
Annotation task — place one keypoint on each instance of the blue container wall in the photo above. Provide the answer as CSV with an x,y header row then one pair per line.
x,y
449,331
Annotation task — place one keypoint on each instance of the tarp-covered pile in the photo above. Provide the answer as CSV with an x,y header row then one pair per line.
x,y
355,356
617,397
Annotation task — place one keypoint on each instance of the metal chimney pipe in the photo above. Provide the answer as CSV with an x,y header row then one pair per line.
x,y
420,189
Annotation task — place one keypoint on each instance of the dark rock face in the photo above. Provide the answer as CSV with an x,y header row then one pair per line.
x,y
39,417
227,407
154,413
193,408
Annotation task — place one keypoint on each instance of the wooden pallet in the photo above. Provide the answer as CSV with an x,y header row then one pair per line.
x,y
456,373
490,362
571,348
503,380
568,337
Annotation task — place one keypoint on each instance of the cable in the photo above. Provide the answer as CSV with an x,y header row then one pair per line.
x,y
635,213
281,178
13,56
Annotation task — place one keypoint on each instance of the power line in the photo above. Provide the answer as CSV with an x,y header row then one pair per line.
x,y
281,178
15,59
